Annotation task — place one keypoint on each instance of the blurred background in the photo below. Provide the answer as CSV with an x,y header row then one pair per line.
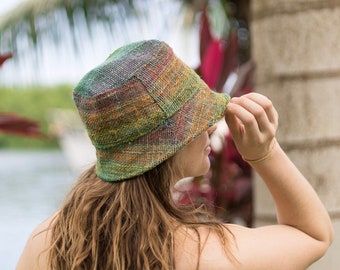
x,y
285,49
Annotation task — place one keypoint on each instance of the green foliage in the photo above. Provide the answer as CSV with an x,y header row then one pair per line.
x,y
34,103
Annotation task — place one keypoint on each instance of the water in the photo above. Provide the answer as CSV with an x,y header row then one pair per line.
x,y
32,186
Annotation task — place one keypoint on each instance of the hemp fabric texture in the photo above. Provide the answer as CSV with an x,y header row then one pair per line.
x,y
141,106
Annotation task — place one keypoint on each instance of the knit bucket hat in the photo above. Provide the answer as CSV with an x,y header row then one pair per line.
x,y
141,106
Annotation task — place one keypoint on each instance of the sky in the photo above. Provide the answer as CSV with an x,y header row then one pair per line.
x,y
6,5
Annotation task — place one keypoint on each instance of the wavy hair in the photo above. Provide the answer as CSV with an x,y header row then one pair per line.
x,y
124,225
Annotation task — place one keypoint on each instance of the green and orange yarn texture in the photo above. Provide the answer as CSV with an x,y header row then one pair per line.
x,y
141,106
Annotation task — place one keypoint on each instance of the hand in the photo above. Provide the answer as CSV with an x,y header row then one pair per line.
x,y
253,121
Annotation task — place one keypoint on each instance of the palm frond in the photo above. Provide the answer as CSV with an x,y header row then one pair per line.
x,y
35,18
39,27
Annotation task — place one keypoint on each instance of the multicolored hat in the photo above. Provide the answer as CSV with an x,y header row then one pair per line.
x,y
141,106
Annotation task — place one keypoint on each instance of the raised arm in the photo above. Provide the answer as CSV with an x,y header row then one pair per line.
x,y
304,231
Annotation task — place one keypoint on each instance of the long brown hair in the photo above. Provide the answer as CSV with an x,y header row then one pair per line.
x,y
124,225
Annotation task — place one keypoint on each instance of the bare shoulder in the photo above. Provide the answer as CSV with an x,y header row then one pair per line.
x,y
34,255
274,247
204,248
269,247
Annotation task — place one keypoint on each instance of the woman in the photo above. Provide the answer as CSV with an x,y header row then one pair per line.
x,y
149,117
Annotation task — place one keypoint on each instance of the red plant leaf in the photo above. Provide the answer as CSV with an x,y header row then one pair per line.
x,y
4,57
211,63
230,59
205,34
12,123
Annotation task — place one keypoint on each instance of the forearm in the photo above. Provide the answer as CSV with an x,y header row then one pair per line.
x,y
296,201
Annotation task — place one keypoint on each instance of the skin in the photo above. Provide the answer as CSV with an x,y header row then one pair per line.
x,y
303,223
193,159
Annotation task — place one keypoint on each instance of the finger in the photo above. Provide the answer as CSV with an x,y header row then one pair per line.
x,y
246,125
257,111
267,105
235,126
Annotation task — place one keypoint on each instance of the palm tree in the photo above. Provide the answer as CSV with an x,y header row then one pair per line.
x,y
83,28
37,19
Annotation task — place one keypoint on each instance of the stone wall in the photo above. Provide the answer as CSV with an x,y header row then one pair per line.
x,y
296,45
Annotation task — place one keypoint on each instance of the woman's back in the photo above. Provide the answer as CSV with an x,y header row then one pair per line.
x,y
186,242
186,255
247,249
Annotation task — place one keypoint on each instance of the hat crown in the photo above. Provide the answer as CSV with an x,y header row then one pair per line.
x,y
134,91
121,65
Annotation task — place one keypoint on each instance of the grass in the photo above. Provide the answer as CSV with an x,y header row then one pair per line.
x,y
34,103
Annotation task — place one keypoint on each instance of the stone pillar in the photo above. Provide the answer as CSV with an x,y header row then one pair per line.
x,y
296,45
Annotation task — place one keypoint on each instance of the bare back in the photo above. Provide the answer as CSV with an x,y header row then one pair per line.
x,y
270,247
34,255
